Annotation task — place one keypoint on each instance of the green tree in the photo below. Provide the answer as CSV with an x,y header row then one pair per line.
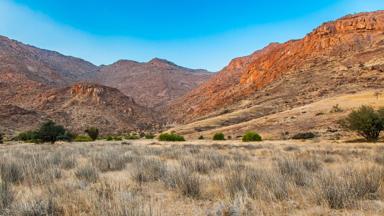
x,y
50,131
93,133
366,121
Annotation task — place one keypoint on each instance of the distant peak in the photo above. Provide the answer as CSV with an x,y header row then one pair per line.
x,y
161,62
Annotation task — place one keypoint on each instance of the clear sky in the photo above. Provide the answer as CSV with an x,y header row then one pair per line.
x,y
192,33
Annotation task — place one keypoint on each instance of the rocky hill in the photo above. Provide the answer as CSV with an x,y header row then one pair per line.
x,y
153,84
338,58
343,55
37,84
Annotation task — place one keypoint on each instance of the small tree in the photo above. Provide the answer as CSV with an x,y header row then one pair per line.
x,y
93,133
219,136
251,136
50,131
366,121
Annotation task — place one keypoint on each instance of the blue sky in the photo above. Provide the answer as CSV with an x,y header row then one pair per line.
x,y
192,33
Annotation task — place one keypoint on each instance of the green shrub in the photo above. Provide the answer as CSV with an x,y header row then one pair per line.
x,y
93,133
132,136
28,136
366,121
219,136
109,138
251,136
49,131
170,137
83,138
304,135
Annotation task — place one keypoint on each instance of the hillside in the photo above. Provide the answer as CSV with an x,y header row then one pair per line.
x,y
152,84
37,84
338,56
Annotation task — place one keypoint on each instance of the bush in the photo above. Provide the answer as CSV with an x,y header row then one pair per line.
x,y
109,138
201,137
170,137
29,136
93,133
366,121
1,138
132,137
305,135
66,137
49,131
218,136
251,136
83,138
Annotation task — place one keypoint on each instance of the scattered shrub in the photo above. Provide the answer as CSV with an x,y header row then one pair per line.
x,y
366,121
305,135
28,136
109,138
93,133
132,136
83,138
251,136
336,109
219,136
50,131
171,137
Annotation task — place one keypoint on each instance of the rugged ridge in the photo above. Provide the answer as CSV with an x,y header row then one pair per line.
x,y
153,84
335,55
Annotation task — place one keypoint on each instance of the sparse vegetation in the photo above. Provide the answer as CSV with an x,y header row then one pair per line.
x,y
336,109
149,136
251,136
1,138
366,121
201,137
171,137
48,132
218,136
83,138
93,133
108,179
304,135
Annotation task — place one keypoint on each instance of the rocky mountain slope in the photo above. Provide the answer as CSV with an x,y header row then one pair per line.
x,y
340,57
344,55
153,84
37,84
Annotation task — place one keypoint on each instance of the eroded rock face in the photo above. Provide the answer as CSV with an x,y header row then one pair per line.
x,y
334,46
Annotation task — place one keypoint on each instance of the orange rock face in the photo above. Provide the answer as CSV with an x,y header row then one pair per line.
x,y
332,41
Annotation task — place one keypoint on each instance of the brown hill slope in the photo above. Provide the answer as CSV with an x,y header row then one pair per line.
x,y
152,84
337,57
83,105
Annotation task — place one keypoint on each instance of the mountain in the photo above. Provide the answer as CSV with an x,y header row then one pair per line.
x,y
153,84
339,57
85,104
38,84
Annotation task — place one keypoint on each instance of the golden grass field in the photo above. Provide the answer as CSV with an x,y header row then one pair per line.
x,y
147,177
